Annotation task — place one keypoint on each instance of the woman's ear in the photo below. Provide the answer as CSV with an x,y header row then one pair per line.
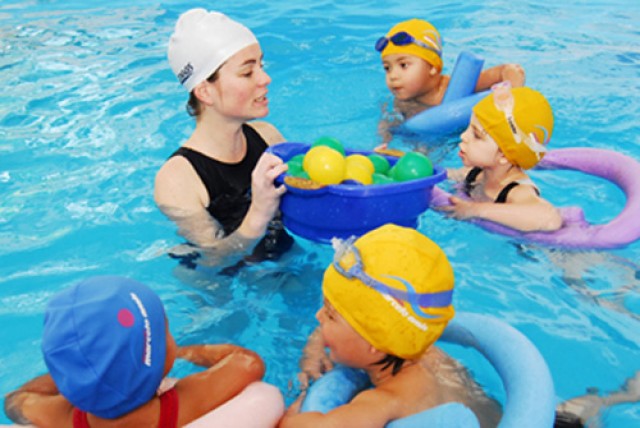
x,y
204,92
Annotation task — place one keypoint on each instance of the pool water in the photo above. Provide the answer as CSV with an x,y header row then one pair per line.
x,y
90,110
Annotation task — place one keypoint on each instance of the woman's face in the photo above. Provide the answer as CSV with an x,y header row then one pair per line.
x,y
242,85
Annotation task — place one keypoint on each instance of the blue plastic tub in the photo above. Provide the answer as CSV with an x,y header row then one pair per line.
x,y
344,210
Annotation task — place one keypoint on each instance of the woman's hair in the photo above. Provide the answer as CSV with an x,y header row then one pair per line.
x,y
391,361
193,105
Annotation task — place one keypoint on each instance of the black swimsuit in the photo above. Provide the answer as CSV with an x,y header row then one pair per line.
x,y
470,182
229,189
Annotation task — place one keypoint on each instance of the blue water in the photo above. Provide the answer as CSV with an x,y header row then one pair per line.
x,y
89,110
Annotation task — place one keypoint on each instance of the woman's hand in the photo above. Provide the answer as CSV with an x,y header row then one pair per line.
x,y
265,195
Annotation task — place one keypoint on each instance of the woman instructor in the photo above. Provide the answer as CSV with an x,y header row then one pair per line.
x,y
219,186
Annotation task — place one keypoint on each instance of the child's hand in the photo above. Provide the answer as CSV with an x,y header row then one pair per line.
x,y
460,209
313,366
315,362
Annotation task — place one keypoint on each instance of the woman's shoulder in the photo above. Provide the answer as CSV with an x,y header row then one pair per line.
x,y
268,132
176,175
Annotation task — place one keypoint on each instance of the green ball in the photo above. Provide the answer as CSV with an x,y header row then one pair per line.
x,y
412,166
380,163
295,168
332,142
297,159
381,178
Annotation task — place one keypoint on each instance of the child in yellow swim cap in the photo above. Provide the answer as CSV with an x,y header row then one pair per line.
x,y
508,134
411,55
387,299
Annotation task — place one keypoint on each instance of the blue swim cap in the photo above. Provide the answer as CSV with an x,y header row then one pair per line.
x,y
104,344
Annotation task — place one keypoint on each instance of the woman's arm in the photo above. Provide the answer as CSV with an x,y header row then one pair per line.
x,y
182,197
513,73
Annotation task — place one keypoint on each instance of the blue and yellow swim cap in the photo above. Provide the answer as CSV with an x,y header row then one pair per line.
x,y
424,33
394,287
519,120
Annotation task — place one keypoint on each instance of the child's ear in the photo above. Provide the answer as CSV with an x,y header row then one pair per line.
x,y
433,71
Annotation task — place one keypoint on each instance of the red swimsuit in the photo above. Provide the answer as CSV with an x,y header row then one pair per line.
x,y
168,412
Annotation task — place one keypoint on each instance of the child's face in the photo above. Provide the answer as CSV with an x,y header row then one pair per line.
x,y
345,345
477,148
407,76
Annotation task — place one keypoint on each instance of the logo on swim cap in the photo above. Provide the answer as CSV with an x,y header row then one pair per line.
x,y
185,73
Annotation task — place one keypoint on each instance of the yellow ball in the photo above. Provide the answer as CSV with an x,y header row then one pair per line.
x,y
361,160
359,173
324,165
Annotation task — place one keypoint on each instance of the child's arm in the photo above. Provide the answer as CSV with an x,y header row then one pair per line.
x,y
524,211
37,402
230,369
315,361
513,73
458,174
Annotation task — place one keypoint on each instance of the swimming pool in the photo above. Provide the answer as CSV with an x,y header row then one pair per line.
x,y
90,110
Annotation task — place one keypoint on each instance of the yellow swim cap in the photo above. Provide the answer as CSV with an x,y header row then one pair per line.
x,y
394,287
520,121
423,32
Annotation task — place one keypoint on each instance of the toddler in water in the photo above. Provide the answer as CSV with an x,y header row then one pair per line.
x,y
412,59
507,135
387,299
107,345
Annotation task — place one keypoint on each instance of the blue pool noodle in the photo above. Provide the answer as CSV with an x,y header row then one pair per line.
x,y
454,112
464,77
530,395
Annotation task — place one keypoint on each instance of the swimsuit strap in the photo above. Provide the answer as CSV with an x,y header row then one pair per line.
x,y
169,409
168,412
80,419
470,179
502,196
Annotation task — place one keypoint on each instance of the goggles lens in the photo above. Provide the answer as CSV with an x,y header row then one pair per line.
x,y
402,38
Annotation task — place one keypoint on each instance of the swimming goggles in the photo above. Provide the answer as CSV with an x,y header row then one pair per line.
x,y
403,38
504,102
440,299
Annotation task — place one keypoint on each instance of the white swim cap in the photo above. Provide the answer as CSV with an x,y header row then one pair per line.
x,y
201,42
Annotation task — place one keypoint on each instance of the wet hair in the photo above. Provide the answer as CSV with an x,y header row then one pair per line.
x,y
391,361
193,105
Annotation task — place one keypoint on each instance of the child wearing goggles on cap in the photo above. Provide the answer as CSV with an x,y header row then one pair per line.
x,y
107,345
411,55
507,135
412,59
387,299
219,186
